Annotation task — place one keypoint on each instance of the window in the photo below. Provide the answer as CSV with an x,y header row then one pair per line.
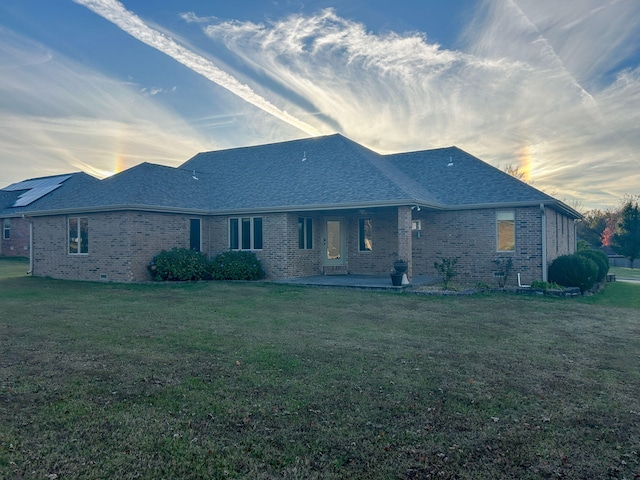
x,y
78,235
195,235
245,233
506,230
6,232
365,237
305,233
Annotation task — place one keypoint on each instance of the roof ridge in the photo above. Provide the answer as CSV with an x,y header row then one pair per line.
x,y
405,183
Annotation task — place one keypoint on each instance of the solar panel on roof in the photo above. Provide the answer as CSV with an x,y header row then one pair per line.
x,y
36,188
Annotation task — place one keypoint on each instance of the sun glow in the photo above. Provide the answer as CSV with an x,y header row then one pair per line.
x,y
524,157
120,163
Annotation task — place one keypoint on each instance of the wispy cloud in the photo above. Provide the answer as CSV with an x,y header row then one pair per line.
x,y
116,13
150,92
518,90
57,116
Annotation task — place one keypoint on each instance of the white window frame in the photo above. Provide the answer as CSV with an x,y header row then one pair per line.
x,y
78,239
362,234
252,233
6,229
512,214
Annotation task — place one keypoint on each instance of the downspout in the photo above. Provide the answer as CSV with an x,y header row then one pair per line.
x,y
30,247
544,243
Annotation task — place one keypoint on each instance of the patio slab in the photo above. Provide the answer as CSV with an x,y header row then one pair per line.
x,y
368,282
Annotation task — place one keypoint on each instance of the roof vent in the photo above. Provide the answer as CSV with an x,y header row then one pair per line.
x,y
450,164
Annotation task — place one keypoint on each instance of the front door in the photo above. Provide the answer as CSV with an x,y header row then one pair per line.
x,y
334,251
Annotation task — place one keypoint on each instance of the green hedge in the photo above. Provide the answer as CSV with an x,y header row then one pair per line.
x,y
601,260
180,264
574,271
237,265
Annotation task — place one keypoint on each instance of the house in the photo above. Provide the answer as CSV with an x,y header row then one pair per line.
x,y
16,236
324,205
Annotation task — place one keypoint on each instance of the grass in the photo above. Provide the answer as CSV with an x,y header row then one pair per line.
x,y
237,380
621,272
11,267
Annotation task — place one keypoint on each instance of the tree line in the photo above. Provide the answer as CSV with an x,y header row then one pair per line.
x,y
617,228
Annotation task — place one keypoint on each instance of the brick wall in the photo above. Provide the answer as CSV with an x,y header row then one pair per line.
x,y
122,244
561,235
470,236
17,245
379,261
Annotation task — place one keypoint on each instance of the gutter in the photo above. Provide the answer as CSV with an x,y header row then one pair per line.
x,y
290,208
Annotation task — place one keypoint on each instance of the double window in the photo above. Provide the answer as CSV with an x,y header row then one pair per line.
x,y
78,235
305,233
245,233
365,235
506,231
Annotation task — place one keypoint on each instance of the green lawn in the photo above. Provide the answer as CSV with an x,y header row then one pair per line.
x,y
11,267
237,380
621,272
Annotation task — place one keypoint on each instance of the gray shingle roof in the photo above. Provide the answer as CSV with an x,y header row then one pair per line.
x,y
327,172
72,186
456,178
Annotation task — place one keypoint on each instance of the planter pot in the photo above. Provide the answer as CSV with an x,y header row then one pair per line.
x,y
396,279
401,266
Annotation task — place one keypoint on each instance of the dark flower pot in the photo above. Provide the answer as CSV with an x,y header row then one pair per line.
x,y
401,266
396,279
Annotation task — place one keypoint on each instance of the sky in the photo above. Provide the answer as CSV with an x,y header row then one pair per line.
x,y
102,85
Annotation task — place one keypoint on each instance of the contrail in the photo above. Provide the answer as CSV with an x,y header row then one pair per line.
x,y
116,13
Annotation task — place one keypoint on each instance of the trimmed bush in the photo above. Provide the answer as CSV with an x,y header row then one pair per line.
x,y
601,260
237,265
179,264
573,271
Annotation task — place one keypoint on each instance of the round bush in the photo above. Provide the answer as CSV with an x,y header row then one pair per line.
x,y
179,264
573,271
601,260
236,265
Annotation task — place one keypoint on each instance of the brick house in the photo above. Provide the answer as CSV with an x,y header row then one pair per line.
x,y
323,205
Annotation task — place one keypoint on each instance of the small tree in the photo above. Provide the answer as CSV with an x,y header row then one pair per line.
x,y
627,240
447,270
505,266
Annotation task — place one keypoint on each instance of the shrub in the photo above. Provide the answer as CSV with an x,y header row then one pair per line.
x,y
573,271
179,264
540,285
601,260
447,270
504,266
237,265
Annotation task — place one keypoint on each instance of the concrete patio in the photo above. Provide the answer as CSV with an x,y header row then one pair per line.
x,y
367,282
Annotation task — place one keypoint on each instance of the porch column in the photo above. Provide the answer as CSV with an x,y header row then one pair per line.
x,y
404,237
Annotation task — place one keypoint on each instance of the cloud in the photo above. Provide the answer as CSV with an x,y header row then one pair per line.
x,y
115,12
150,92
518,86
57,116
589,38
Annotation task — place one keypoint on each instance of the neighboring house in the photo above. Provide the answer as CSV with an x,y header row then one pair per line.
x,y
323,205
